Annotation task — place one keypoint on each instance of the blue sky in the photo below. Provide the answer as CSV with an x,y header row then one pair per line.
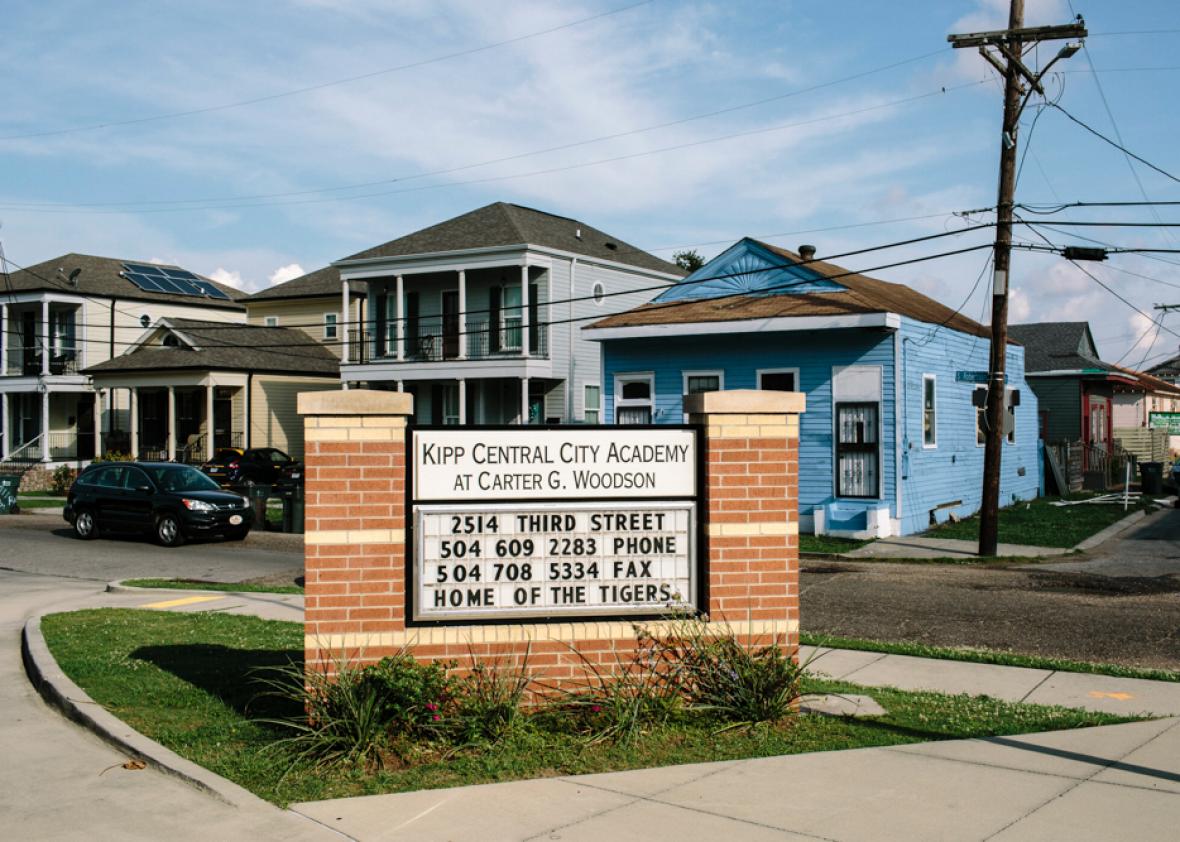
x,y
876,151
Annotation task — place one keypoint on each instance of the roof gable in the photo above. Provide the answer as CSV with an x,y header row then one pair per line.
x,y
503,224
749,267
1058,346
321,282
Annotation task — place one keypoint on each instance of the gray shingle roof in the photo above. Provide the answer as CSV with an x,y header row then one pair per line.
x,y
100,277
861,294
321,282
1057,346
503,224
234,347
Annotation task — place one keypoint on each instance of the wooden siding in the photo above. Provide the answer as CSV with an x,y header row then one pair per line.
x,y
307,314
815,354
1060,399
947,478
275,422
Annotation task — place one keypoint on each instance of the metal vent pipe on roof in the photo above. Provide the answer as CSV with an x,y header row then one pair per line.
x,y
807,252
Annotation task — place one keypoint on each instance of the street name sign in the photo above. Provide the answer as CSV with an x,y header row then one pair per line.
x,y
550,522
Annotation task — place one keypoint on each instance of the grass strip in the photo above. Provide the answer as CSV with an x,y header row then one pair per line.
x,y
1038,523
986,656
201,585
828,544
188,682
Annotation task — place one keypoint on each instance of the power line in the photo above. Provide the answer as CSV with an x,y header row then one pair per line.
x,y
574,299
1117,146
449,170
547,171
321,85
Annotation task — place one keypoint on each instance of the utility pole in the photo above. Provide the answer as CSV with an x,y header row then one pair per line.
x,y
1007,44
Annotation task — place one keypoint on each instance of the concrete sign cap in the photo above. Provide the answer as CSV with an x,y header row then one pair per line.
x,y
746,402
356,402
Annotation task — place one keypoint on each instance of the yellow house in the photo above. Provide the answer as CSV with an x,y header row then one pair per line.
x,y
313,304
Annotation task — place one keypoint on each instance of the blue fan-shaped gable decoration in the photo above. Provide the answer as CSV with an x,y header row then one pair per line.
x,y
749,268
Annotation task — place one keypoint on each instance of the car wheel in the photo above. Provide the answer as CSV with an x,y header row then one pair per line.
x,y
168,531
85,526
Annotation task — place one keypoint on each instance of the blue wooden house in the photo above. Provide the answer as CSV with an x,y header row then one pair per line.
x,y
891,441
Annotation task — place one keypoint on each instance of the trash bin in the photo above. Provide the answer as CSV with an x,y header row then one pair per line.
x,y
1151,477
8,488
293,508
258,497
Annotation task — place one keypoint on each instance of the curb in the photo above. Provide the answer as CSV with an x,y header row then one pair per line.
x,y
1110,531
60,692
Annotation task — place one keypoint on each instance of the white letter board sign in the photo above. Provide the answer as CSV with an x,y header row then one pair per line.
x,y
544,523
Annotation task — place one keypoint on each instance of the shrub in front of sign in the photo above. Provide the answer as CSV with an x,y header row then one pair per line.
x,y
489,700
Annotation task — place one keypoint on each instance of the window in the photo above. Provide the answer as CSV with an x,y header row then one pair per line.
x,y
980,402
696,382
633,398
271,321
592,400
778,379
330,325
929,412
510,319
858,452
1011,401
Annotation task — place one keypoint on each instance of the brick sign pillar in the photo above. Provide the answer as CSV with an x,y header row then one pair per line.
x,y
356,553
751,511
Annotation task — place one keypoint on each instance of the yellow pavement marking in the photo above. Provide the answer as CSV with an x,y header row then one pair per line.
x,y
1122,697
188,600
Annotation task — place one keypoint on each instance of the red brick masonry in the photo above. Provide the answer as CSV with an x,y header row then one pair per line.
x,y
356,531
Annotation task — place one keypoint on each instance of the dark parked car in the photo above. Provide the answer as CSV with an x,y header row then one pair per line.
x,y
170,502
253,466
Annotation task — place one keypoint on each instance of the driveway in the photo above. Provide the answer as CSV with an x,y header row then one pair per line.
x,y
1120,605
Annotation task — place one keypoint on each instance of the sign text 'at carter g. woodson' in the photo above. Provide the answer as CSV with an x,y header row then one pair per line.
x,y
553,522
553,464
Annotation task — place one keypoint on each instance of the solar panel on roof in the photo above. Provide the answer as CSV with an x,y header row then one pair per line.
x,y
184,274
210,290
143,268
144,282
170,285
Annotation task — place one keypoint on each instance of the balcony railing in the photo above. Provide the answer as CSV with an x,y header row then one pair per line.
x,y
26,362
431,343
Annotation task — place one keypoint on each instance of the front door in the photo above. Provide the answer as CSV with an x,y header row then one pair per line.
x,y
450,315
223,410
84,412
30,358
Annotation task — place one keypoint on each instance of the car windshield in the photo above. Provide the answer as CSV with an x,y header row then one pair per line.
x,y
181,478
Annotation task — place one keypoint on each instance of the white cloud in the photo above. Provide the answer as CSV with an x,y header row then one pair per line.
x,y
286,273
227,277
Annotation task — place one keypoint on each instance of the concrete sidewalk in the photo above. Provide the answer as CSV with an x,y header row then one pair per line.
x,y
1113,782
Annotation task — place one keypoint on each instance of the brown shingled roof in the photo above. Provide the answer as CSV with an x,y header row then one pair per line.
x,y
863,295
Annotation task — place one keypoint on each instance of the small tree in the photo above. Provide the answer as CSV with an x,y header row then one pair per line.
x,y
689,261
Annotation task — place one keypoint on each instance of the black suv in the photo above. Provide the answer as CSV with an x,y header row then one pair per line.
x,y
254,466
170,502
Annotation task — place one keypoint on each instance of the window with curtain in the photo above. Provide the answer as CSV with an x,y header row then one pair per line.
x,y
633,400
929,420
858,450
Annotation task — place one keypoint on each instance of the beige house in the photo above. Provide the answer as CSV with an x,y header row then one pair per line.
x,y
197,386
313,304
65,315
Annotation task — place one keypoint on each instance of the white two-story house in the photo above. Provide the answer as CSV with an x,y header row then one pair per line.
x,y
64,315
480,316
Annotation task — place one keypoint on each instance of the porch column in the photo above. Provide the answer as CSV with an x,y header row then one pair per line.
x,y
133,420
401,320
462,399
524,400
4,343
524,314
45,457
44,337
344,323
209,420
462,322
5,427
401,387
245,441
171,424
98,422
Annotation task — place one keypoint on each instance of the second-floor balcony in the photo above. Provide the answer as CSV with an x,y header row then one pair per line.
x,y
437,340
27,361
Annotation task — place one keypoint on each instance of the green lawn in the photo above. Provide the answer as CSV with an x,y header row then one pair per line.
x,y
187,681
40,501
827,544
1037,523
